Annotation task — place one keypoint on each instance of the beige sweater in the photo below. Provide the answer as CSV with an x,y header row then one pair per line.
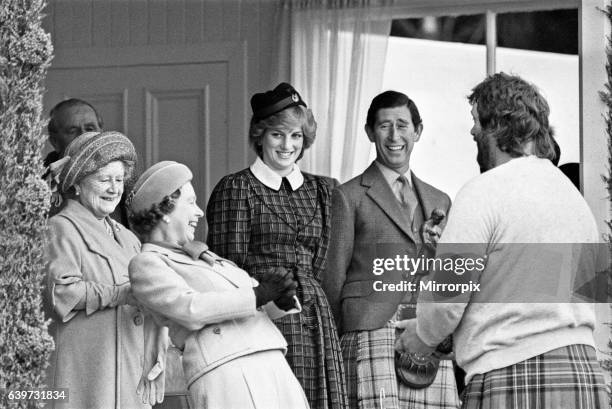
x,y
512,214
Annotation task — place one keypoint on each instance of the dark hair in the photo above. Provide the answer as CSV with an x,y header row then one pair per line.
x,y
145,221
392,99
68,103
294,115
514,112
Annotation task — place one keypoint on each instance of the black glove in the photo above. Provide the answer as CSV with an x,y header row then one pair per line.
x,y
273,284
286,301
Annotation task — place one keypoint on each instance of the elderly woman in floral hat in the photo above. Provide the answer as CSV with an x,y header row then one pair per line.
x,y
274,215
217,315
97,328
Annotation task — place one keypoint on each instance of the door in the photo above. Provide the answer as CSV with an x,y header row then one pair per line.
x,y
185,105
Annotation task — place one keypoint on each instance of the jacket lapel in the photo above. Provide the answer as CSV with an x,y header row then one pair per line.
x,y
97,239
380,192
428,197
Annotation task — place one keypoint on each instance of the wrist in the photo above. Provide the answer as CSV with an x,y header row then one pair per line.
x,y
428,342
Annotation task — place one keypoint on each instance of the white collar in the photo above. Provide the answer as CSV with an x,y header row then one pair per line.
x,y
273,180
391,175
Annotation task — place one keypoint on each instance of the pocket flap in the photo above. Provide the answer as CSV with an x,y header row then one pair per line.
x,y
357,289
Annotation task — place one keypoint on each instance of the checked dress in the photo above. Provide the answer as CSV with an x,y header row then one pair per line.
x,y
258,227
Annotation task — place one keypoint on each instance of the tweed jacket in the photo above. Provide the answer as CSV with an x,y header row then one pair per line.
x,y
369,223
98,337
210,311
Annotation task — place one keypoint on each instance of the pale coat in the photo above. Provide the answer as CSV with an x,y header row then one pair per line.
x,y
211,313
98,338
368,223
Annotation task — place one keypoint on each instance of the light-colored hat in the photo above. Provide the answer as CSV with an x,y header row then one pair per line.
x,y
157,182
91,151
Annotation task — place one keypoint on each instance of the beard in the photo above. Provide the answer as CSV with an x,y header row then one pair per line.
x,y
486,152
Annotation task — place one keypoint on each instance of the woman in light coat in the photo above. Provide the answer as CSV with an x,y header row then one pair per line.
x,y
233,355
98,334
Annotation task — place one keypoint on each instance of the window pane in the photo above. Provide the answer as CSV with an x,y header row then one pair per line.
x,y
554,31
438,76
542,48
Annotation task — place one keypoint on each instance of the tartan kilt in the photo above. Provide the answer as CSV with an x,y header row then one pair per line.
x,y
566,377
371,381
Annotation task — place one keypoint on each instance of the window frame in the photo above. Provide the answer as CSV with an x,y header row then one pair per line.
x,y
592,31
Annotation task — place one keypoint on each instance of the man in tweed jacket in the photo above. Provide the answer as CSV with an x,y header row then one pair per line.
x,y
378,215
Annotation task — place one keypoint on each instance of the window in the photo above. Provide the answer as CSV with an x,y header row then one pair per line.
x,y
438,60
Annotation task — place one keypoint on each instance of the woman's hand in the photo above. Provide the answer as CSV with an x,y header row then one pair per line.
x,y
131,300
286,301
274,284
151,387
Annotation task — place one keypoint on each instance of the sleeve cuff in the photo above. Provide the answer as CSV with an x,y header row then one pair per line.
x,y
426,337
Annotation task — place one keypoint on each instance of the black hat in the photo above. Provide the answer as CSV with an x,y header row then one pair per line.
x,y
269,103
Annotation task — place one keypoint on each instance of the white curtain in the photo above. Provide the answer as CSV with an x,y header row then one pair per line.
x,y
333,53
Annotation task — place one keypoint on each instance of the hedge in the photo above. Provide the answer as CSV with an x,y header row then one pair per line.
x,y
25,55
606,96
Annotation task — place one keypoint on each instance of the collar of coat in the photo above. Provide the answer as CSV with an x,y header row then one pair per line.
x,y
223,267
92,230
272,179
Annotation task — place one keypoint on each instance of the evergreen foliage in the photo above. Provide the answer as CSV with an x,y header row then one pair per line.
x,y
606,96
25,55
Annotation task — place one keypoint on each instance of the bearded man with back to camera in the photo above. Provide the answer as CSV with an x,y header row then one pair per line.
x,y
536,348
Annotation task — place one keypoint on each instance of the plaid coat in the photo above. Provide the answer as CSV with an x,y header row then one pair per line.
x,y
258,228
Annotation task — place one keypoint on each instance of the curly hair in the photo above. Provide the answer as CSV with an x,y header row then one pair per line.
x,y
296,115
514,112
145,221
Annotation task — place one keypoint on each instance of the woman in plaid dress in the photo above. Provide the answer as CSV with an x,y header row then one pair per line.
x,y
271,214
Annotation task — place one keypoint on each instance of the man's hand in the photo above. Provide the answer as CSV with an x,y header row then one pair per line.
x,y
409,341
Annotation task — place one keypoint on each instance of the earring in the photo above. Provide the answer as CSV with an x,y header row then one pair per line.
x,y
166,219
77,191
